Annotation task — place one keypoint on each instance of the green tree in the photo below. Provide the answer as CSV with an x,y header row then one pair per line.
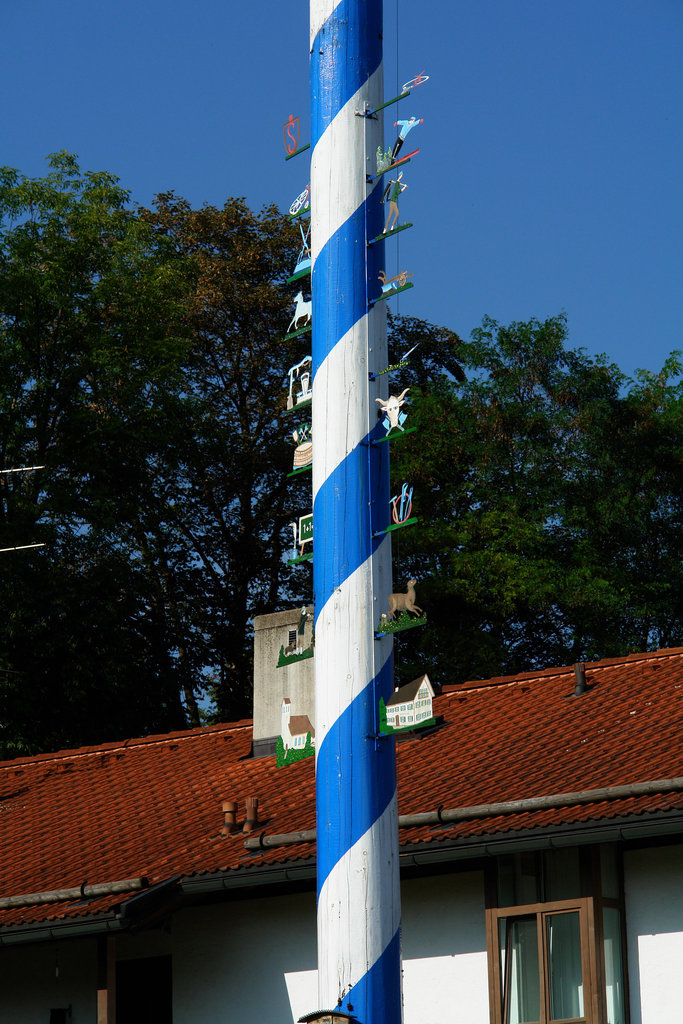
x,y
230,494
91,346
142,362
548,488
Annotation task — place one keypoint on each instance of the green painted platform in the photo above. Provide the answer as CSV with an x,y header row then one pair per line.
x,y
395,526
394,291
390,234
399,163
389,626
300,559
302,469
392,436
302,212
300,405
301,149
289,659
297,277
295,334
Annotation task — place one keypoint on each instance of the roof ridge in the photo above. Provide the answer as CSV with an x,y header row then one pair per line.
x,y
68,754
542,673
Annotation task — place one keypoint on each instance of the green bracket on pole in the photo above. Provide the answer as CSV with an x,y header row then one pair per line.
x,y
399,163
302,213
389,626
395,526
297,277
295,334
300,559
389,234
301,149
393,291
300,405
289,659
302,469
371,113
393,437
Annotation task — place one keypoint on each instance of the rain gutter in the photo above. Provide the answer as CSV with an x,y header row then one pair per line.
x,y
457,814
440,851
127,915
631,828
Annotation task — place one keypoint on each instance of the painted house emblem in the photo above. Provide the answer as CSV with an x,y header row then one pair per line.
x,y
410,707
297,736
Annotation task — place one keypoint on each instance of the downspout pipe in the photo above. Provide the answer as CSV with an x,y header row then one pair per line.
x,y
453,815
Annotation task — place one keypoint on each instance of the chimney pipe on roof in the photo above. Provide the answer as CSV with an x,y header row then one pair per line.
x,y
581,686
251,804
229,808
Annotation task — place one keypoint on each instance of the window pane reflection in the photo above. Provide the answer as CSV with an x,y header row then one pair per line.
x,y
614,980
519,970
563,943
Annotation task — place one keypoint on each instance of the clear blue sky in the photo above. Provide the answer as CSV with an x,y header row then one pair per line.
x,y
550,173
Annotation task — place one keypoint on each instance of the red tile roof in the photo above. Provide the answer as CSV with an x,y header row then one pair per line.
x,y
152,807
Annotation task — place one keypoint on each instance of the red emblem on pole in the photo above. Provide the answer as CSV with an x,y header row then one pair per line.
x,y
290,132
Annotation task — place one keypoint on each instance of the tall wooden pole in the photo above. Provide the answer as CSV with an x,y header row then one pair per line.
x,y
357,824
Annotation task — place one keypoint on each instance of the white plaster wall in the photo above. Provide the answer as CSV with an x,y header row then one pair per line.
x,y
654,921
34,979
445,979
256,960
271,683
230,961
445,974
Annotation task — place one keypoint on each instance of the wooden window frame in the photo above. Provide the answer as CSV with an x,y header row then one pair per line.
x,y
587,930
590,906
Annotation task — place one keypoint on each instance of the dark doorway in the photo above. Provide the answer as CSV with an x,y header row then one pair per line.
x,y
144,991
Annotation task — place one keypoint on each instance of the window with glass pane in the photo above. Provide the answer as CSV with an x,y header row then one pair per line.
x,y
563,953
519,969
547,913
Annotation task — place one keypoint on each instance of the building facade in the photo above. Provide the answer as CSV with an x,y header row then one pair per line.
x,y
172,878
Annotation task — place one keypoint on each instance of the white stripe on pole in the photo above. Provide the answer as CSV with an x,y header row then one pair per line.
x,y
320,11
342,141
356,814
339,621
365,933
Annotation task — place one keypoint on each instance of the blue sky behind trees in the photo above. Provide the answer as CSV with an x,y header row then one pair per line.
x,y
550,165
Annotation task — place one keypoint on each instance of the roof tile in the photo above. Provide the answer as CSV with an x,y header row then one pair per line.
x,y
152,806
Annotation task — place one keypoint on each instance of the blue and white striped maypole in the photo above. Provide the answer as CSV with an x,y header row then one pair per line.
x,y
357,824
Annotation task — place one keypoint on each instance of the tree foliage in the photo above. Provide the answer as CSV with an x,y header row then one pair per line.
x,y
142,363
231,498
549,490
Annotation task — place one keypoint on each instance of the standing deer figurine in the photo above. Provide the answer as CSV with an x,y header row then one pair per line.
x,y
404,602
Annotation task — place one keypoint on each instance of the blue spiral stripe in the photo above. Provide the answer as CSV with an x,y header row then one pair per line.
x,y
346,541
355,28
377,991
359,957
340,293
365,780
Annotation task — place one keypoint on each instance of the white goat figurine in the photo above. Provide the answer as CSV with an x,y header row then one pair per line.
x,y
302,311
404,602
391,407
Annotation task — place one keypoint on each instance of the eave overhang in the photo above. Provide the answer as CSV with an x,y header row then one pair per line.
x,y
146,908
